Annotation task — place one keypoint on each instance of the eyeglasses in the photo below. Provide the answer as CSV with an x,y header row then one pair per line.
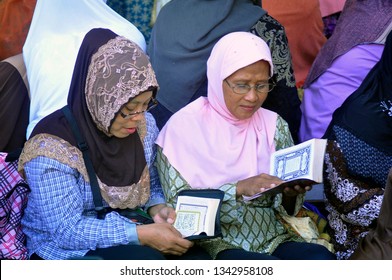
x,y
152,104
244,88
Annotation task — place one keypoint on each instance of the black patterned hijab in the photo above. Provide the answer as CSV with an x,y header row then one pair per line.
x,y
109,71
367,112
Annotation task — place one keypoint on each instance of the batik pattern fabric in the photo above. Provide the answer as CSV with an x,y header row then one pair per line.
x,y
249,226
284,98
138,12
353,188
272,32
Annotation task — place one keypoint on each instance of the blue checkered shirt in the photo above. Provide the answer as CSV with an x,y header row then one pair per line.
x,y
60,221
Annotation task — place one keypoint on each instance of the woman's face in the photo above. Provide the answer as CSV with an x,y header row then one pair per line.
x,y
123,127
243,106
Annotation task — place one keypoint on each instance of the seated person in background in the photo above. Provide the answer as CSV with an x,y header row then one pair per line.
x,y
52,45
377,244
343,62
181,42
111,87
15,19
224,141
14,103
359,157
304,28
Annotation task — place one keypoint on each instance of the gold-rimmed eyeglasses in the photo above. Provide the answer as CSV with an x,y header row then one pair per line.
x,y
152,104
245,88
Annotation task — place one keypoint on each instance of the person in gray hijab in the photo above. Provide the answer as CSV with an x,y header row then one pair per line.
x,y
182,38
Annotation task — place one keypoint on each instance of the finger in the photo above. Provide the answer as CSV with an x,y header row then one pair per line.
x,y
299,189
178,248
171,217
289,191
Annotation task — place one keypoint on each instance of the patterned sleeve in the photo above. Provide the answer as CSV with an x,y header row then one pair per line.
x,y
282,137
150,149
57,205
173,183
283,99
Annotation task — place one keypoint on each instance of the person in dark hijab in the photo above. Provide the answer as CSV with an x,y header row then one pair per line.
x,y
14,103
112,86
182,39
359,157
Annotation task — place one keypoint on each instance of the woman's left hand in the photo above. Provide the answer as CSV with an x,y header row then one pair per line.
x,y
296,190
162,213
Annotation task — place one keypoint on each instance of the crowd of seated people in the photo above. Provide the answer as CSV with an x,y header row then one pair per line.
x,y
145,110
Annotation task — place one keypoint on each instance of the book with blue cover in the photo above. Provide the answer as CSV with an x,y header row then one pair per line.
x,y
301,164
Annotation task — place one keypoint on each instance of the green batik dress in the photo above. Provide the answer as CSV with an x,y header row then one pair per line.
x,y
250,226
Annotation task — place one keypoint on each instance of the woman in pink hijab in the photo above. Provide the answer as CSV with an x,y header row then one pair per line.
x,y
224,141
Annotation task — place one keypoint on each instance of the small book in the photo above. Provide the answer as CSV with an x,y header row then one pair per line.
x,y
301,164
198,213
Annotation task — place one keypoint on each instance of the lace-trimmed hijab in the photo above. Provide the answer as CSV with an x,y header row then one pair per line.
x,y
109,71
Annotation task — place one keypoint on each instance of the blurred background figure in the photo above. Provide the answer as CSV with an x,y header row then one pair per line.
x,y
304,28
14,103
343,62
52,44
15,19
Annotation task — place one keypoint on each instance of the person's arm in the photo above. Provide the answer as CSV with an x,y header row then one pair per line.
x,y
155,206
63,204
150,150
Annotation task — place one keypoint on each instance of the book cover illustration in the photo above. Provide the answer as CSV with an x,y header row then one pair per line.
x,y
292,165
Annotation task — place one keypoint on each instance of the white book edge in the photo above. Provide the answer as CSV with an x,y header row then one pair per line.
x,y
315,147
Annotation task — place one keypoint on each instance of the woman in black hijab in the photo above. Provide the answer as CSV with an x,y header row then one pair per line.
x,y
359,157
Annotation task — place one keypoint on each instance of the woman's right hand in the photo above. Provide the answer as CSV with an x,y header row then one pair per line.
x,y
164,238
256,184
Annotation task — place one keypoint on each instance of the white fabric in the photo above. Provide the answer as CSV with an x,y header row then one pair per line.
x,y
52,44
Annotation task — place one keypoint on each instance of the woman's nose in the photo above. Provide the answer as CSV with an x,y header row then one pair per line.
x,y
252,95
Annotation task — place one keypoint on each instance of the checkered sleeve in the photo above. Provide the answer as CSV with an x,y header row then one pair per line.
x,y
156,195
61,203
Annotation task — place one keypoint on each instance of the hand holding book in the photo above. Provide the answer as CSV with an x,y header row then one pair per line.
x,y
198,213
300,165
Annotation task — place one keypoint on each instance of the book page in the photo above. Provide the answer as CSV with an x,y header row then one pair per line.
x,y
301,164
196,215
303,161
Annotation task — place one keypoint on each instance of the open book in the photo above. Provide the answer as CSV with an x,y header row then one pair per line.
x,y
198,212
301,164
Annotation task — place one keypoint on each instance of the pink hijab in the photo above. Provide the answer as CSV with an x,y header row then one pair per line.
x,y
204,141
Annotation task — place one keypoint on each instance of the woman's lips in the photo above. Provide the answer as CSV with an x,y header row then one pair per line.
x,y
131,130
248,108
